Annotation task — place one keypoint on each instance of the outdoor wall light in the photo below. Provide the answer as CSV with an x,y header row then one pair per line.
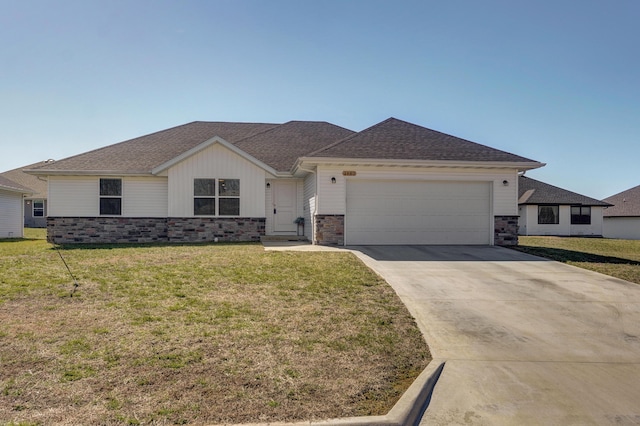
x,y
268,185
333,180
505,182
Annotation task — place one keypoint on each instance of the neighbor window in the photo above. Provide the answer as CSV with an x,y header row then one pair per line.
x,y
221,195
38,208
111,197
580,215
548,215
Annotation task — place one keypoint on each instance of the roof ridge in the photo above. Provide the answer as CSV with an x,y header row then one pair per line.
x,y
343,140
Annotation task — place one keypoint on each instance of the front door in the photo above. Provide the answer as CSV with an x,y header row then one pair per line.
x,y
284,206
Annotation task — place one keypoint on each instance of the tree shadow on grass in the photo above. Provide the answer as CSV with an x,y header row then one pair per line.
x,y
563,255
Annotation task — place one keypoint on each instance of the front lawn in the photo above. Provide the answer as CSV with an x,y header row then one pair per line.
x,y
212,333
618,258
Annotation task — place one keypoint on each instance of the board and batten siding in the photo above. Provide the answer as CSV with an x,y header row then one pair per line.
x,y
79,196
332,196
11,214
217,162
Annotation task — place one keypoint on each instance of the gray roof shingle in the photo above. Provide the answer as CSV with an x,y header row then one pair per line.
x,y
625,203
38,186
280,146
10,185
142,154
399,140
531,191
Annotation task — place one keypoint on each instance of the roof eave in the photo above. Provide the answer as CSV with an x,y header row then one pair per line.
x,y
16,190
41,172
519,165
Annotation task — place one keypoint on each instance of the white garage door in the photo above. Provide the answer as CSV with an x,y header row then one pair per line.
x,y
411,212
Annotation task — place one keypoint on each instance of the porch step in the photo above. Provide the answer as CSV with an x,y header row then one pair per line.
x,y
283,238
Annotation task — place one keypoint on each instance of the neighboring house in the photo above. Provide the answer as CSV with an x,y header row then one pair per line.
x,y
35,204
548,210
393,183
11,208
623,219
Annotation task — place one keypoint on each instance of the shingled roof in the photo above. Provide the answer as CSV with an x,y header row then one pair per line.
x,y
280,146
626,203
9,185
38,186
142,154
395,139
531,191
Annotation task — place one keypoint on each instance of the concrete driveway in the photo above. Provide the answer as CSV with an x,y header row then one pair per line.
x,y
524,340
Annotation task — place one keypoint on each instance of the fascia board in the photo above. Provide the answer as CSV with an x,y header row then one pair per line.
x,y
206,144
15,190
418,163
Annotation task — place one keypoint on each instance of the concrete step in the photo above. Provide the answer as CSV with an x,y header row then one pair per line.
x,y
283,238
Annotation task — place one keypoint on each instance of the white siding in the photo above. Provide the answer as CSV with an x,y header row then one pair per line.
x,y
11,215
627,228
529,225
332,197
145,197
74,196
216,161
77,196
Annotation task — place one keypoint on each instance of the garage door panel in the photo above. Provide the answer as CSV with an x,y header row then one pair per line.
x,y
410,212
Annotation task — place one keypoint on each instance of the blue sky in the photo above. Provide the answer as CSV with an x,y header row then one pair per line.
x,y
557,81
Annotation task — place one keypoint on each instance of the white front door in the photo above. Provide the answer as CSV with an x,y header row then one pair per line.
x,y
284,205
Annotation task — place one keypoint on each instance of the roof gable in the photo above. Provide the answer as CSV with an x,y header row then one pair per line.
x,y
531,191
213,141
625,203
395,139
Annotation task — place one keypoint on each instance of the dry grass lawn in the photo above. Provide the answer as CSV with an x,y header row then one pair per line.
x,y
197,334
617,258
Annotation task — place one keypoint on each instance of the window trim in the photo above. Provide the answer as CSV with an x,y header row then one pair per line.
x,y
581,215
217,197
34,209
557,215
109,196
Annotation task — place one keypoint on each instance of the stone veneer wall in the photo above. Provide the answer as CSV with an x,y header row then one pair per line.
x,y
99,230
505,231
329,229
193,229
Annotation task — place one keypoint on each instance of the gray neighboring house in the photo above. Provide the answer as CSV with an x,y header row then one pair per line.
x,y
549,210
392,183
622,220
11,208
35,204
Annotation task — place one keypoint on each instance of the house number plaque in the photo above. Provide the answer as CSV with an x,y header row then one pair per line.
x,y
348,173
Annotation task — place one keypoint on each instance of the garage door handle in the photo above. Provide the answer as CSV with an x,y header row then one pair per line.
x,y
274,211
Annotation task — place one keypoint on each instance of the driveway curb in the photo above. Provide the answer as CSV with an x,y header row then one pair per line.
x,y
407,411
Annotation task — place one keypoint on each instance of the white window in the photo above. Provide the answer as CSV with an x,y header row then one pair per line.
x,y
110,197
216,197
38,208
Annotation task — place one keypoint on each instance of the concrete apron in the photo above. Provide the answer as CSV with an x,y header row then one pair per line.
x,y
525,340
